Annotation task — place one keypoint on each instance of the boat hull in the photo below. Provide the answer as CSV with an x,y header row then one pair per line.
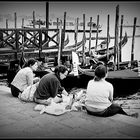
x,y
123,85
125,82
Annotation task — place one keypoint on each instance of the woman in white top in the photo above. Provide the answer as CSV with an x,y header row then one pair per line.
x,y
99,98
24,77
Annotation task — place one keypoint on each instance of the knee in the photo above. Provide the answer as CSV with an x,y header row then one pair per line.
x,y
115,105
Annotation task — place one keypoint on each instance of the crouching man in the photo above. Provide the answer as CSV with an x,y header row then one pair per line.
x,y
50,86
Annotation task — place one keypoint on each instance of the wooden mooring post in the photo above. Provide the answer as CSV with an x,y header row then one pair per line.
x,y
6,23
57,27
97,32
76,32
83,47
15,15
90,36
60,45
133,39
120,48
116,56
47,22
108,21
62,38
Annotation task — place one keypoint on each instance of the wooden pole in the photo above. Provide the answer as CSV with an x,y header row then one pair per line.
x,y
76,32
63,31
6,23
16,36
90,36
57,26
47,21
23,31
62,38
34,25
33,19
133,39
116,38
22,23
97,32
15,15
40,43
120,47
39,25
108,19
16,43
60,45
83,49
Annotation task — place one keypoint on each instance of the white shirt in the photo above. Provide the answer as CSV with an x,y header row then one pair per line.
x,y
23,78
98,93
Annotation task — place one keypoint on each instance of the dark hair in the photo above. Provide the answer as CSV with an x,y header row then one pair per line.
x,y
41,59
60,68
14,65
100,72
30,62
100,63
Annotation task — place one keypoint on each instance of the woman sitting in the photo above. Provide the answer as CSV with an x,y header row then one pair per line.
x,y
99,98
24,77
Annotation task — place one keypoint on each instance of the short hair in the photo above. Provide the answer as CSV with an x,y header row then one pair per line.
x,y
100,72
30,62
60,68
41,59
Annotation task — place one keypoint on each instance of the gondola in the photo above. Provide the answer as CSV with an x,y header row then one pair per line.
x,y
125,82
101,54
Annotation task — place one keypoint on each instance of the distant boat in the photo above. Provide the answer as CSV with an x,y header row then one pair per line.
x,y
74,47
36,22
53,24
68,48
104,50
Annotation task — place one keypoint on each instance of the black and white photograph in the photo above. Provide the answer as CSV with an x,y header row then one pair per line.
x,y
69,69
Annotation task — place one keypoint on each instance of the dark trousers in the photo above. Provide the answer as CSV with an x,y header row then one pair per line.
x,y
110,111
15,91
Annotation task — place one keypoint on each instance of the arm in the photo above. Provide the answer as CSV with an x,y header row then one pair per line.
x,y
65,92
36,79
111,93
30,78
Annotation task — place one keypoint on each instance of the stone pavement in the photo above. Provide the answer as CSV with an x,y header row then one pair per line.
x,y
19,120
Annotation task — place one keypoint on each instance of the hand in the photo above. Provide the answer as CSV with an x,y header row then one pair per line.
x,y
65,92
57,99
36,79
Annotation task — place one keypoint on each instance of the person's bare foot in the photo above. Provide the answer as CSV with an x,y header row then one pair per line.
x,y
135,115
